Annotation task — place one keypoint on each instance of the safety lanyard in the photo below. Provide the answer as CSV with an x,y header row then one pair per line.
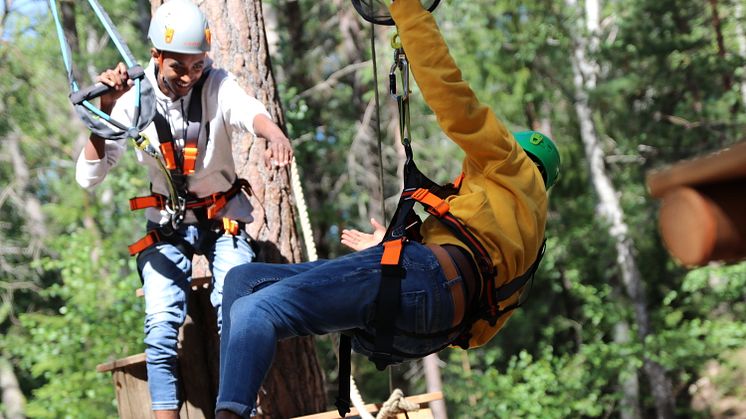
x,y
97,121
402,97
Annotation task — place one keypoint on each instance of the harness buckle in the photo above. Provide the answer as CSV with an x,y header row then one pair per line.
x,y
230,226
190,157
218,202
169,158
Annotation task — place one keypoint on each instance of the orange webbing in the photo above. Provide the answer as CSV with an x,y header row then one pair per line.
x,y
190,157
219,202
438,206
392,252
169,158
150,239
149,201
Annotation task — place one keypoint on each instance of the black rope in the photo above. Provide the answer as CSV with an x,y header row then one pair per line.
x,y
378,120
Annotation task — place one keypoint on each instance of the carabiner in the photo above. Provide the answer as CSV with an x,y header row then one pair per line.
x,y
401,63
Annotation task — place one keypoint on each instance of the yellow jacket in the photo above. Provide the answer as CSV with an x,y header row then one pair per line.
x,y
502,199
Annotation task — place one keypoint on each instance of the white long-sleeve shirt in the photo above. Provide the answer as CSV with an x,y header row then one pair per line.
x,y
226,109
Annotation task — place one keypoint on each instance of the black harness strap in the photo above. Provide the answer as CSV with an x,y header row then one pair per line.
x,y
175,159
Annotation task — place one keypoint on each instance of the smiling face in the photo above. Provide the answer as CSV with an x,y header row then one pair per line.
x,y
178,72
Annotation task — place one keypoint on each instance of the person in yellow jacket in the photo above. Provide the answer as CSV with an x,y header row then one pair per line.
x,y
502,201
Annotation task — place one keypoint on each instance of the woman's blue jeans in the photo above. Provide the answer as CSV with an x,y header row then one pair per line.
x,y
166,273
265,303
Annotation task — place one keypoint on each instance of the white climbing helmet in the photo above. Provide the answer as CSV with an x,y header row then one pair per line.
x,y
179,26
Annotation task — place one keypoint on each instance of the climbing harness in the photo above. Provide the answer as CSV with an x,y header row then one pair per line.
x,y
179,166
97,121
483,298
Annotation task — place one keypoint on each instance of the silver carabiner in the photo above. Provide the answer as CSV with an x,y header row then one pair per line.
x,y
401,63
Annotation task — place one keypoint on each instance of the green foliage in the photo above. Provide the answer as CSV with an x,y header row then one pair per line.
x,y
548,386
98,320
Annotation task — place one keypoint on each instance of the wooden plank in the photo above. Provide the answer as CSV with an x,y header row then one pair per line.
x,y
199,397
723,165
375,407
425,413
121,363
133,397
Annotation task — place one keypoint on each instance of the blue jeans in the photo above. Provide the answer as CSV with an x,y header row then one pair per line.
x,y
166,273
265,303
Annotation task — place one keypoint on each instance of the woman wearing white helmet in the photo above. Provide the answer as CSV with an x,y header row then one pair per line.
x,y
199,108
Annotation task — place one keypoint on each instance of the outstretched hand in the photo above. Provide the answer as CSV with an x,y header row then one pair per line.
x,y
357,240
279,152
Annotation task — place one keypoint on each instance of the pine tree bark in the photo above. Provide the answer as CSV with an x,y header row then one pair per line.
x,y
294,385
585,72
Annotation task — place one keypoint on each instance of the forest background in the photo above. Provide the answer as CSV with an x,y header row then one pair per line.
x,y
613,326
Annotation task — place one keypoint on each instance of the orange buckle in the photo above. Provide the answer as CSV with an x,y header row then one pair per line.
x,y
167,151
230,226
218,202
392,252
150,239
190,157
140,202
438,206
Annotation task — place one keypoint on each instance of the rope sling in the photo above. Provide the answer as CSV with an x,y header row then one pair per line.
x,y
104,125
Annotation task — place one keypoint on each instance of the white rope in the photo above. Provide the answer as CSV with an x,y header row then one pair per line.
x,y
396,404
300,203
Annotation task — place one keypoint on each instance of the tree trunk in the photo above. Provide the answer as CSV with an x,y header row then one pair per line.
x,y
13,399
294,386
585,74
718,27
741,38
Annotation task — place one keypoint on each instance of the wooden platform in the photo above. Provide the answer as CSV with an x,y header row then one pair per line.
x,y
703,207
198,365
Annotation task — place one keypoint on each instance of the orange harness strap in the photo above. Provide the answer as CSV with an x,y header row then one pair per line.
x,y
214,202
151,238
169,157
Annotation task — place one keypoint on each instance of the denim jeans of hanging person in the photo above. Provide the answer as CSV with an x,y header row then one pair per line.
x,y
265,303
166,274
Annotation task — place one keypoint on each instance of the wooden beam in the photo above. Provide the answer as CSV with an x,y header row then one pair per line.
x,y
724,165
121,363
705,223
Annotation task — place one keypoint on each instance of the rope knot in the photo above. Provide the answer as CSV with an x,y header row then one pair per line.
x,y
396,404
